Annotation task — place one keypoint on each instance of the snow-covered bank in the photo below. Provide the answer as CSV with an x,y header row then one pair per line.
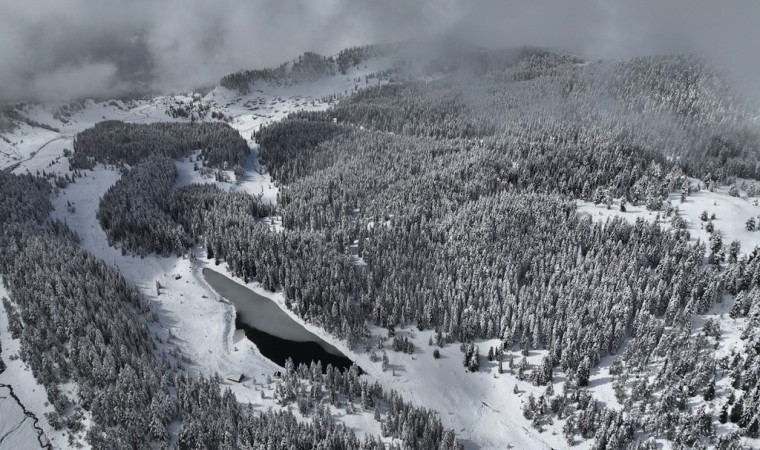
x,y
482,408
18,429
195,329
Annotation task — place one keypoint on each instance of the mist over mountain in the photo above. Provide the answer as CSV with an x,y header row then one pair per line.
x,y
58,50
369,224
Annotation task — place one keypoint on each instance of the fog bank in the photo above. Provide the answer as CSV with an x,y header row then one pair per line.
x,y
64,49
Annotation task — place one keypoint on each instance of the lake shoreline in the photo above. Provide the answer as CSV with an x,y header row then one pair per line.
x,y
276,334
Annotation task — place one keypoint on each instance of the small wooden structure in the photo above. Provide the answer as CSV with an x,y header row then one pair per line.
x,y
236,377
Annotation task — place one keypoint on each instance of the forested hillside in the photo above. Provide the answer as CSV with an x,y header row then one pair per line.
x,y
459,196
116,142
79,321
446,201
679,106
307,67
135,211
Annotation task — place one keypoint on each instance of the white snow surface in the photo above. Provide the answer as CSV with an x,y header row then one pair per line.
x,y
200,323
18,429
481,407
731,214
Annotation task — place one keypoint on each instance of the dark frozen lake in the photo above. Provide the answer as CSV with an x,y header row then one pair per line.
x,y
277,336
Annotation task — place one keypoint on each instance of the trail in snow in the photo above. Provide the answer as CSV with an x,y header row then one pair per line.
x,y
37,152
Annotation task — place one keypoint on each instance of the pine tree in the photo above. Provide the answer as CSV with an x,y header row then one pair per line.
x,y
568,431
733,251
723,416
754,428
709,393
737,411
473,364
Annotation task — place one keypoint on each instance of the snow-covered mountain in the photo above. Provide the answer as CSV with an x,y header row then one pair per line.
x,y
422,171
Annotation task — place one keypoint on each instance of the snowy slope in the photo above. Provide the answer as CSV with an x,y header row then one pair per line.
x,y
197,327
731,214
481,407
202,328
27,146
17,431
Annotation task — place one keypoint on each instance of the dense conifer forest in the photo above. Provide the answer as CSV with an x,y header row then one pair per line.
x,y
116,142
458,195
448,204
307,67
79,321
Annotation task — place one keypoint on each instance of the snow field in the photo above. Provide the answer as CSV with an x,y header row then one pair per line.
x,y
196,327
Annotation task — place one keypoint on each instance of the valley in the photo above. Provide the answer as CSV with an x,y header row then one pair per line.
x,y
402,203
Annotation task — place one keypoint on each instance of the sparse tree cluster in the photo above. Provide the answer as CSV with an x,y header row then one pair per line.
x,y
353,56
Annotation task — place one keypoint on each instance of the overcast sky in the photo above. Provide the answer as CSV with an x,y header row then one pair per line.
x,y
63,49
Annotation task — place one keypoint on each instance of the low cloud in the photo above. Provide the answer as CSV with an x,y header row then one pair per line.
x,y
95,79
62,49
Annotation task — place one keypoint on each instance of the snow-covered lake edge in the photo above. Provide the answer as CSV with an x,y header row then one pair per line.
x,y
483,408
